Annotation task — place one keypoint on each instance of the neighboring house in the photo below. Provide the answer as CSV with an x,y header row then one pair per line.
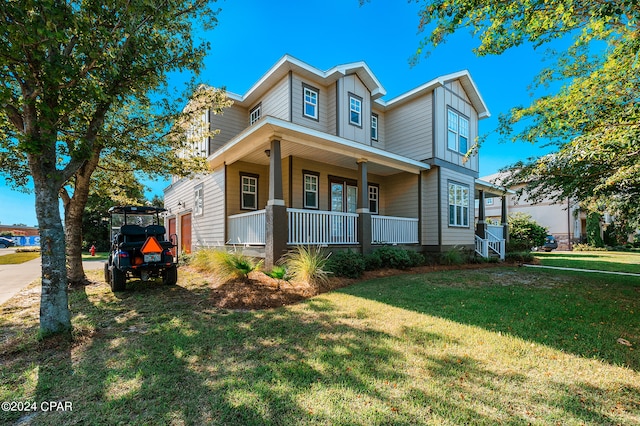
x,y
318,157
564,220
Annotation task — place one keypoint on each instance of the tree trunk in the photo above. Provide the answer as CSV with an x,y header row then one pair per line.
x,y
73,211
54,304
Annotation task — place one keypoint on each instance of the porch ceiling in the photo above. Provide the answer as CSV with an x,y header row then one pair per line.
x,y
491,190
302,142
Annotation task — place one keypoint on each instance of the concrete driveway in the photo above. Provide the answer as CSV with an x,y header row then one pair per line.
x,y
14,278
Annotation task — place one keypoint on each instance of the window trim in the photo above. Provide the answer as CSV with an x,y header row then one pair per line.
x,y
459,119
377,201
258,109
463,217
374,118
353,96
306,173
306,87
198,189
242,192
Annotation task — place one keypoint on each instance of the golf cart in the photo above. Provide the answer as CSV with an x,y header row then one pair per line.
x,y
139,247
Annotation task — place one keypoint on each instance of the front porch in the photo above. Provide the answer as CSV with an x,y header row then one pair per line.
x,y
323,228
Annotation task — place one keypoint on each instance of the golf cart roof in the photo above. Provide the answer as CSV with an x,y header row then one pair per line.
x,y
136,210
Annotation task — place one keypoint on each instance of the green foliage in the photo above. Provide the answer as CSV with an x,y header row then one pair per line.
x,y
393,257
524,232
453,256
228,264
346,264
593,230
278,272
587,247
519,257
307,264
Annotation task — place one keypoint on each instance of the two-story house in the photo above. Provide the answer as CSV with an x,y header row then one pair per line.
x,y
319,157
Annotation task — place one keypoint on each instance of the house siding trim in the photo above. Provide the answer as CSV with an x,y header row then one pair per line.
x,y
439,162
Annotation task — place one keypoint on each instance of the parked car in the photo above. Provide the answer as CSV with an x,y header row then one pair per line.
x,y
6,242
550,243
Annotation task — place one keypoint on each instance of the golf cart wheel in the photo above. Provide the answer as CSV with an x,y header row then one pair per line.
x,y
107,275
170,275
118,280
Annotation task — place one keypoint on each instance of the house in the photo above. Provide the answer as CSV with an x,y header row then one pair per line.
x,y
316,157
565,221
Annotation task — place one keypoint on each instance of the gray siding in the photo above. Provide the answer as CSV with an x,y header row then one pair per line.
x,y
275,102
324,106
429,233
399,194
231,122
352,84
408,128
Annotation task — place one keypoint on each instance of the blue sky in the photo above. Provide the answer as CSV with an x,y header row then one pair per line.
x,y
252,35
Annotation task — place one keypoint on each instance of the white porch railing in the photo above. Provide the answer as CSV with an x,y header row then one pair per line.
x,y
247,228
481,247
322,227
490,244
394,230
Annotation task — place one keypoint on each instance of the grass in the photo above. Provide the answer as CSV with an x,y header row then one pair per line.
x,y
598,260
102,256
493,346
17,258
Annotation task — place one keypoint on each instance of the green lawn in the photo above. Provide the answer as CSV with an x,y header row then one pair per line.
x,y
491,346
17,258
101,256
598,260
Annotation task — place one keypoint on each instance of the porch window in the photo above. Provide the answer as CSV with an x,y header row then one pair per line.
x,y
198,202
458,205
457,132
255,114
374,127
310,191
310,102
355,110
249,196
374,192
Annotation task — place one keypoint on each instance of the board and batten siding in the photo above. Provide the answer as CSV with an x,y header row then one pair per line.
x,y
324,106
454,235
408,129
352,84
275,103
207,229
452,95
231,122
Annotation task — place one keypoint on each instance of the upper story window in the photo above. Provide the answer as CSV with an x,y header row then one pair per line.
x,y
458,205
255,114
309,102
355,110
249,189
310,190
374,127
489,201
458,132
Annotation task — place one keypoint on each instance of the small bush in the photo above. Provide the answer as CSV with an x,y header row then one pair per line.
x,y
587,247
416,258
388,257
278,272
307,264
346,264
453,256
229,264
519,256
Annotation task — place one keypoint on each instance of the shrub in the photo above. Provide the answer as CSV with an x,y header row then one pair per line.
x,y
229,264
278,272
307,264
524,232
519,256
416,258
453,256
593,230
346,264
388,257
587,247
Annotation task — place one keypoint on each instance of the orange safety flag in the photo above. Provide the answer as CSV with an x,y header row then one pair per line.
x,y
151,246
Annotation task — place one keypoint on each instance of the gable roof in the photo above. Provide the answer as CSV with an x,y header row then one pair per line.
x,y
288,63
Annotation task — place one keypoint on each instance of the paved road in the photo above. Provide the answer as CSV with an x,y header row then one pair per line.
x,y
16,277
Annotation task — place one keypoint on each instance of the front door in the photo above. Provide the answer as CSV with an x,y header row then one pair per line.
x,y
344,199
185,233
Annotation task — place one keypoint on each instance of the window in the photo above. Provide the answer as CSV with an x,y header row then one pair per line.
x,y
373,199
249,196
310,102
458,132
255,114
489,201
355,110
458,205
198,201
310,190
374,127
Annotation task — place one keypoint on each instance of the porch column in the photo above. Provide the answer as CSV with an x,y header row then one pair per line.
x,y
277,229
481,227
364,216
503,218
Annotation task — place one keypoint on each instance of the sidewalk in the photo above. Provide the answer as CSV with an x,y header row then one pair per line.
x,y
561,268
17,277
